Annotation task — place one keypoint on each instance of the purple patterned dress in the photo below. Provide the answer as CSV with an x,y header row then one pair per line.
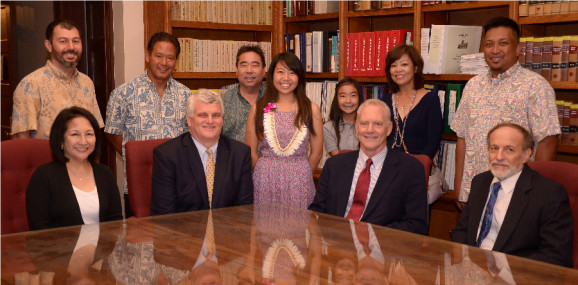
x,y
284,179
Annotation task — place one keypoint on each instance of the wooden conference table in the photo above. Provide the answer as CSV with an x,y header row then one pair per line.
x,y
261,244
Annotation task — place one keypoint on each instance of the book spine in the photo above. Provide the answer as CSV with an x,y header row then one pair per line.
x,y
379,60
356,54
573,59
529,51
556,59
308,51
522,55
371,54
537,55
348,49
546,70
565,59
363,57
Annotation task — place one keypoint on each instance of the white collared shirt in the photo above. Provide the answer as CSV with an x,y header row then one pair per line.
x,y
203,255
500,209
374,248
203,152
375,170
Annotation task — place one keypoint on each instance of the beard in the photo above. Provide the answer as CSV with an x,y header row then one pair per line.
x,y
60,58
503,174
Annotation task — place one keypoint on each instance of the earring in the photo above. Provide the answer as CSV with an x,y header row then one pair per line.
x,y
61,146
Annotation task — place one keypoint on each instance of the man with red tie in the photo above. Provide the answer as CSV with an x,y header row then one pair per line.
x,y
374,185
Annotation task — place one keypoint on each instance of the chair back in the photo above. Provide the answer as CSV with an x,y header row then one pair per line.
x,y
20,158
139,170
426,161
566,174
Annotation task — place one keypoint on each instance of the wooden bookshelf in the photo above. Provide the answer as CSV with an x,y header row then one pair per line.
x,y
157,15
449,137
470,5
547,19
567,149
205,75
322,75
221,26
448,77
317,17
381,12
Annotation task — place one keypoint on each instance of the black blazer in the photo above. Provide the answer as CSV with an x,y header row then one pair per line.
x,y
399,199
538,223
179,183
51,203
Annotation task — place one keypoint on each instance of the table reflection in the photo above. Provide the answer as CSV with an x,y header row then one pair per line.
x,y
262,244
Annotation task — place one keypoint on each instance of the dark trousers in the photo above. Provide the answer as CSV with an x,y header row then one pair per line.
x,y
127,212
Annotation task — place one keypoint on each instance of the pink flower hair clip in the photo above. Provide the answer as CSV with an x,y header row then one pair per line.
x,y
270,107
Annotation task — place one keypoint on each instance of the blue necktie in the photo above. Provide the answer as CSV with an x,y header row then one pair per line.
x,y
488,214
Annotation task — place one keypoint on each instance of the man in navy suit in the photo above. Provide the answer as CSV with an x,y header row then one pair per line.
x,y
374,184
512,209
201,169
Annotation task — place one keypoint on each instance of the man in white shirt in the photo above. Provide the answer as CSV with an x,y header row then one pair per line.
x,y
512,209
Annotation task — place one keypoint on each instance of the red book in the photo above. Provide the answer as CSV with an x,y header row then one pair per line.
x,y
363,50
380,53
398,36
348,54
389,42
355,56
386,50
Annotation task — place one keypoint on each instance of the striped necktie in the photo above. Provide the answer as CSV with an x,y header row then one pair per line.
x,y
488,214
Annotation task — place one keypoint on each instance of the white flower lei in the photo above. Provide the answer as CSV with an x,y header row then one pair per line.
x,y
271,136
273,251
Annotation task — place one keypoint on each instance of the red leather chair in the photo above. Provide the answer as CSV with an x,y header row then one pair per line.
x,y
566,174
426,161
20,158
139,170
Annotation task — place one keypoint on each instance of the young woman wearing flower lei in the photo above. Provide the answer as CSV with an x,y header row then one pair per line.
x,y
280,127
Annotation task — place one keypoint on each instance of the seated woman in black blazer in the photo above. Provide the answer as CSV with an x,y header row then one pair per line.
x,y
73,189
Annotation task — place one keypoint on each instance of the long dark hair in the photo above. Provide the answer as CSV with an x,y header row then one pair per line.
x,y
304,113
335,114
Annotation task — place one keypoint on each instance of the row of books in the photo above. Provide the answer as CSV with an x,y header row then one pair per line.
x,y
310,7
365,52
232,12
443,45
375,5
539,8
322,93
555,58
213,56
445,159
317,50
568,116
450,95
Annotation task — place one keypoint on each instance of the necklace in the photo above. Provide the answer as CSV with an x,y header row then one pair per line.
x,y
395,116
271,136
271,256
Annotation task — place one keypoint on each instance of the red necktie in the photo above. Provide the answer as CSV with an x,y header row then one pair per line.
x,y
363,236
361,190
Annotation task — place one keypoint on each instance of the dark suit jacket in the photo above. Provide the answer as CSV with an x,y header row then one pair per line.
x,y
538,222
51,203
179,183
399,199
